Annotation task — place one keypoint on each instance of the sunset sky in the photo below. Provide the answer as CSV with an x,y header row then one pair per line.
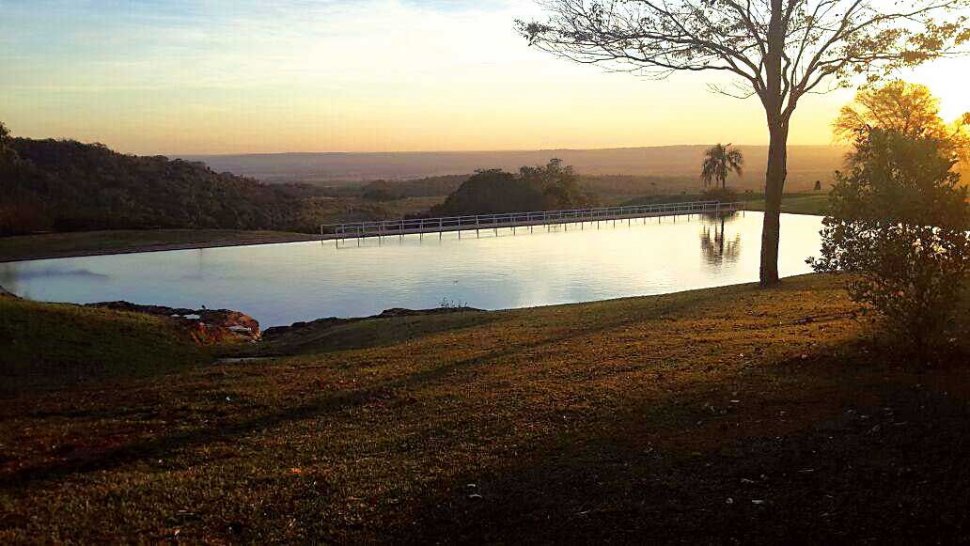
x,y
233,76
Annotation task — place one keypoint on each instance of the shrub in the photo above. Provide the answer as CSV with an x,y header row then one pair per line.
x,y
899,222
724,195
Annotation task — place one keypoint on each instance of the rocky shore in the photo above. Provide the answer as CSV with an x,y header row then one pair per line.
x,y
204,326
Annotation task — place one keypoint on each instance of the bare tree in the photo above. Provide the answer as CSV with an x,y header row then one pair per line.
x,y
777,50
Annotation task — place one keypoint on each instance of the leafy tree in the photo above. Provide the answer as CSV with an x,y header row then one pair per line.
x,y
494,191
909,109
558,184
899,222
777,50
719,162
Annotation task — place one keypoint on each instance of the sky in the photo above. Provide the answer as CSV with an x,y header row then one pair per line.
x,y
244,76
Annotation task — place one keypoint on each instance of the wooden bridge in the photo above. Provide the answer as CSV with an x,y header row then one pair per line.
x,y
361,230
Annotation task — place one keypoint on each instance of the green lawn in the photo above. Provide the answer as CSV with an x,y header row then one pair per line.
x,y
54,345
797,203
56,245
725,415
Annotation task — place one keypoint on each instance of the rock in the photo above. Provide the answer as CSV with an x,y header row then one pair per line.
x,y
204,326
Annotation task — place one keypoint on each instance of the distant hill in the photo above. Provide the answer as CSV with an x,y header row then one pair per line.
x,y
64,185
806,164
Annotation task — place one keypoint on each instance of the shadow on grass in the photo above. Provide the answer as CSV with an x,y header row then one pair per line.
x,y
225,432
887,469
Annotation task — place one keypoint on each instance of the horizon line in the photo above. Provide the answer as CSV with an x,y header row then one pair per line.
x,y
480,151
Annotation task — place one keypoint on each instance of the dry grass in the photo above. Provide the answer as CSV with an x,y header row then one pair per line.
x,y
629,420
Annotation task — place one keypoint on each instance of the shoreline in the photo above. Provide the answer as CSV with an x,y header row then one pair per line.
x,y
257,238
52,246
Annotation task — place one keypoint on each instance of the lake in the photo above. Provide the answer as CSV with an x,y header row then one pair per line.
x,y
280,284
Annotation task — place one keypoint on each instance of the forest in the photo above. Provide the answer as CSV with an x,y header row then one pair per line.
x,y
64,185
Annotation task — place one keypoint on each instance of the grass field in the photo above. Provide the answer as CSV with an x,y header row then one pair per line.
x,y
797,203
724,415
54,346
57,245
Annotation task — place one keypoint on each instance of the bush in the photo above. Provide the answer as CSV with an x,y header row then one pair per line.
x,y
495,191
724,195
899,222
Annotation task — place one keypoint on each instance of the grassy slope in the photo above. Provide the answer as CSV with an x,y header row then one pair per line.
x,y
797,203
52,345
56,245
660,419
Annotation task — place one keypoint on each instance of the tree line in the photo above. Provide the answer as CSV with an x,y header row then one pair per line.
x,y
64,185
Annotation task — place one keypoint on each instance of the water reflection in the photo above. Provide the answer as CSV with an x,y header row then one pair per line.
x,y
284,283
8,277
716,245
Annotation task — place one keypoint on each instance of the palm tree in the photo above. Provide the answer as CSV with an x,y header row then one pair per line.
x,y
719,161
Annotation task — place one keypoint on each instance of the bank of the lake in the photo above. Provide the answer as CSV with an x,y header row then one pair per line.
x,y
96,243
815,204
99,243
724,414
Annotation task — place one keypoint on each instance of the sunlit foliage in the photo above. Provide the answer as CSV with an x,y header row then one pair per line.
x,y
899,222
909,109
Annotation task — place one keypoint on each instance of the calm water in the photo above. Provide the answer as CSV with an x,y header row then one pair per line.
x,y
283,283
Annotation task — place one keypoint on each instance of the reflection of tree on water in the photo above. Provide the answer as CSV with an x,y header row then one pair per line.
x,y
714,244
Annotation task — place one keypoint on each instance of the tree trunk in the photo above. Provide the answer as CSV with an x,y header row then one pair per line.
x,y
774,187
773,99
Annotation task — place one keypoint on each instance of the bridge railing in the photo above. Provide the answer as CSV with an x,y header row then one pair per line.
x,y
509,219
